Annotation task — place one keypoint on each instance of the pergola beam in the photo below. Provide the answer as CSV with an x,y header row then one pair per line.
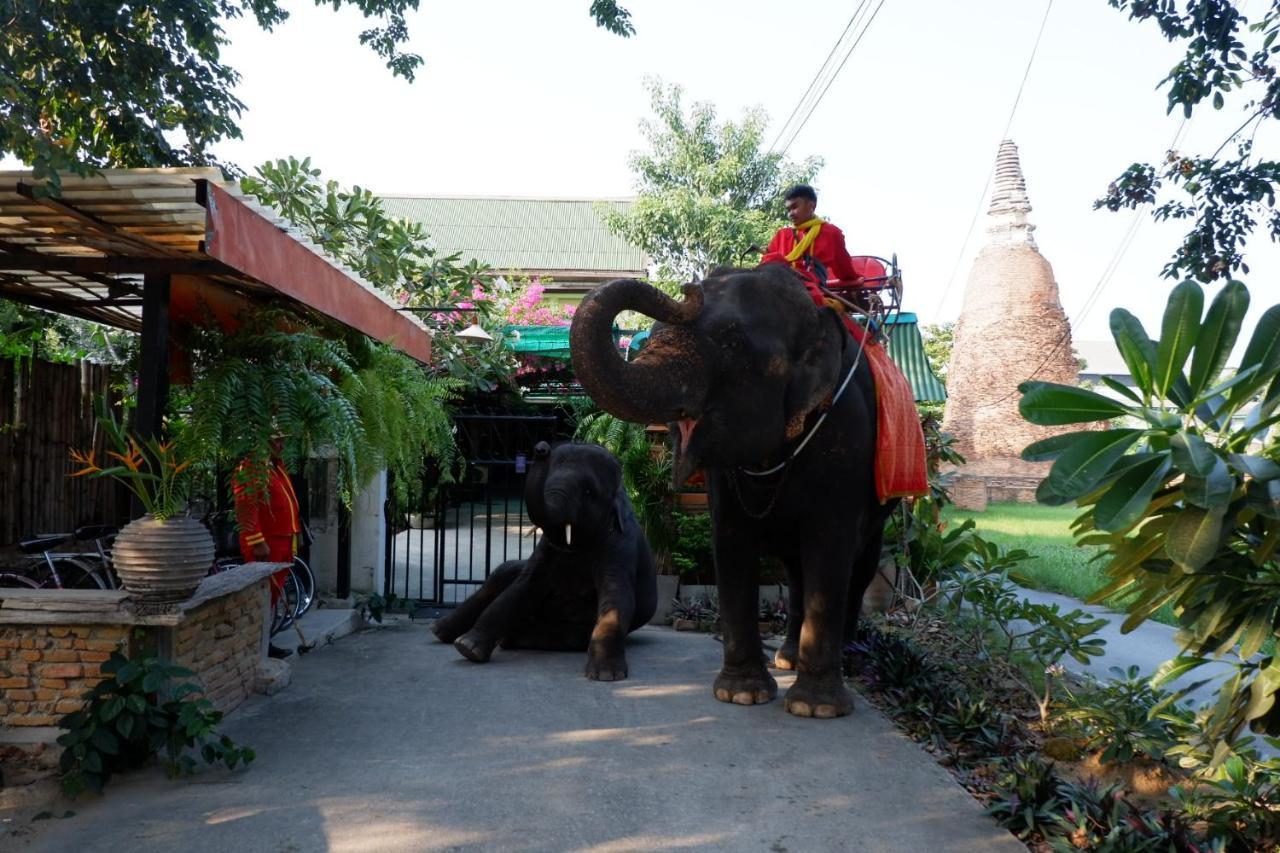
x,y
81,265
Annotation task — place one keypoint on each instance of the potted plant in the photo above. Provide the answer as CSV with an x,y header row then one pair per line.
x,y
162,556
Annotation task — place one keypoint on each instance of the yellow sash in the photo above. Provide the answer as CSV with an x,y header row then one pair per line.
x,y
806,243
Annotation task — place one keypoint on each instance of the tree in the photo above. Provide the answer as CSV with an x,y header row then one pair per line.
x,y
708,195
938,339
87,85
1225,196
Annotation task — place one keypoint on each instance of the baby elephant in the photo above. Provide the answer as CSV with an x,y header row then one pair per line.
x,y
589,582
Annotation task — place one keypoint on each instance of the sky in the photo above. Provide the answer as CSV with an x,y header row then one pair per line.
x,y
532,99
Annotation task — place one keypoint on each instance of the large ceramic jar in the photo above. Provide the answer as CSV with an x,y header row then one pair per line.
x,y
162,560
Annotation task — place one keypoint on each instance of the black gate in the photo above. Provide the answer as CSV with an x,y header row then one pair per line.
x,y
443,545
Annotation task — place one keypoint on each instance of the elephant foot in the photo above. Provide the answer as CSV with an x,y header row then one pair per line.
x,y
822,696
474,647
786,656
746,687
607,669
446,629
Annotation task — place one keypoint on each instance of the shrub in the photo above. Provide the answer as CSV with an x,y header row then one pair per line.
x,y
1117,717
138,711
1028,796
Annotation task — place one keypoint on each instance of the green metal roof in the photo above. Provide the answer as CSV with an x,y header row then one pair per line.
x,y
522,234
906,348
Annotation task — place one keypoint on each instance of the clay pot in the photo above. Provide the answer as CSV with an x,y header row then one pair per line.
x,y
162,561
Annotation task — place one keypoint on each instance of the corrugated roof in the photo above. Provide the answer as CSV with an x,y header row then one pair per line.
x,y
522,234
906,348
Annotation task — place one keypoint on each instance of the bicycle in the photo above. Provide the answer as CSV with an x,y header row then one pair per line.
x,y
52,570
296,591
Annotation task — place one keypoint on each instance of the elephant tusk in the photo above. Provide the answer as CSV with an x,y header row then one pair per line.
x,y
568,534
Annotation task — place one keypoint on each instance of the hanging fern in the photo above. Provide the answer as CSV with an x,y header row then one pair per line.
x,y
359,401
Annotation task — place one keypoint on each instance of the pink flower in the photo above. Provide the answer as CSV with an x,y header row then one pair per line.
x,y
404,297
624,342
465,306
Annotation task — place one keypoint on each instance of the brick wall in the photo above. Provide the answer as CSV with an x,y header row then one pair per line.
x,y
222,642
44,670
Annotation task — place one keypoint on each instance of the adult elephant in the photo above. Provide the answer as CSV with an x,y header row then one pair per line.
x,y
746,369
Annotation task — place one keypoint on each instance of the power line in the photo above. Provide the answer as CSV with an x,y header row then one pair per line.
x,y
813,84
1005,135
833,76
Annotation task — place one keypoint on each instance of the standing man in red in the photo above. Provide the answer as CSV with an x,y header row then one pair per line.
x,y
268,519
813,247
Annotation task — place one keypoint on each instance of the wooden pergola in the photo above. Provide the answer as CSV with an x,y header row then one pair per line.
x,y
118,246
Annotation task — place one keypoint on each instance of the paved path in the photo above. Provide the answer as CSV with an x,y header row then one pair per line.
x,y
388,742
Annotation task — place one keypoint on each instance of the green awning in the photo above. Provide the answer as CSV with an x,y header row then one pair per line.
x,y
906,348
545,341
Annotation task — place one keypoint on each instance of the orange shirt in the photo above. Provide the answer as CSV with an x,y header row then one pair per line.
x,y
828,249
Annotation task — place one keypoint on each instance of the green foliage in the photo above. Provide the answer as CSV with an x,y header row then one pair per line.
x,y
646,473
938,339
1101,819
693,555
140,709
1239,802
1118,717
1186,503
1028,795
370,406
708,194
32,333
1225,57
90,85
1027,639
395,255
612,17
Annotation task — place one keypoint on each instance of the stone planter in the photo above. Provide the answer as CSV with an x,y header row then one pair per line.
x,y
668,585
162,561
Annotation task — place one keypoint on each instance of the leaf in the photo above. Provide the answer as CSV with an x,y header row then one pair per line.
x,y
128,672
105,742
1128,498
1178,333
1051,404
1259,468
1192,454
1079,469
1172,670
1137,350
1263,350
1193,537
124,725
111,708
1048,449
1121,389
1218,335
1213,491
153,681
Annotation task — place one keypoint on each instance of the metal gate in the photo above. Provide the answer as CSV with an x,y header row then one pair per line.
x,y
442,546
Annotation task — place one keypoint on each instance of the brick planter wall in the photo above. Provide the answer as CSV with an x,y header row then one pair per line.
x,y
222,641
53,643
45,669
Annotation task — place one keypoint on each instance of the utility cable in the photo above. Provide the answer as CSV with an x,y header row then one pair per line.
x,y
813,84
833,77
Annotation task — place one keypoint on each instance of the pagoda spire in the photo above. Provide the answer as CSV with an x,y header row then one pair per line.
x,y
1009,223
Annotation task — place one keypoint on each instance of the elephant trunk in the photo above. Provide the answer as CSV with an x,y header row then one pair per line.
x,y
667,381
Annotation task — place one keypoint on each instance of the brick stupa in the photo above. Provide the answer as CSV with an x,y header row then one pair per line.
x,y
1011,328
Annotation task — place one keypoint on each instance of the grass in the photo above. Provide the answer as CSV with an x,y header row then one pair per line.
x,y
1060,566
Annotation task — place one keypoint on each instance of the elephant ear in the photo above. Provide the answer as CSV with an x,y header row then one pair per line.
x,y
817,368
534,482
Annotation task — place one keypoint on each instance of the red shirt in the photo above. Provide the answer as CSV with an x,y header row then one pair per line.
x,y
828,249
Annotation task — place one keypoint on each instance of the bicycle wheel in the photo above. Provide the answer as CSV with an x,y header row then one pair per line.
x,y
282,613
8,580
68,573
306,586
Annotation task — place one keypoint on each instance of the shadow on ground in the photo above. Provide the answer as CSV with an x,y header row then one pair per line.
x,y
389,741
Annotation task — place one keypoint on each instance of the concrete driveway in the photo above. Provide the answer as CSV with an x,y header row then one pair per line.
x,y
389,741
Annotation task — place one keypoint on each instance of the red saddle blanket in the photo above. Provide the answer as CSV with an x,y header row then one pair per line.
x,y
900,456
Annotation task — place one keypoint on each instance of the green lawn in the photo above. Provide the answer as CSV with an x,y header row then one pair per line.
x,y
1045,531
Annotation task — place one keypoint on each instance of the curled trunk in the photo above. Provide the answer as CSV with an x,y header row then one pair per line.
x,y
667,381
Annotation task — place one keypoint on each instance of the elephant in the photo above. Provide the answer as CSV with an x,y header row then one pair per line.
x,y
744,369
589,582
